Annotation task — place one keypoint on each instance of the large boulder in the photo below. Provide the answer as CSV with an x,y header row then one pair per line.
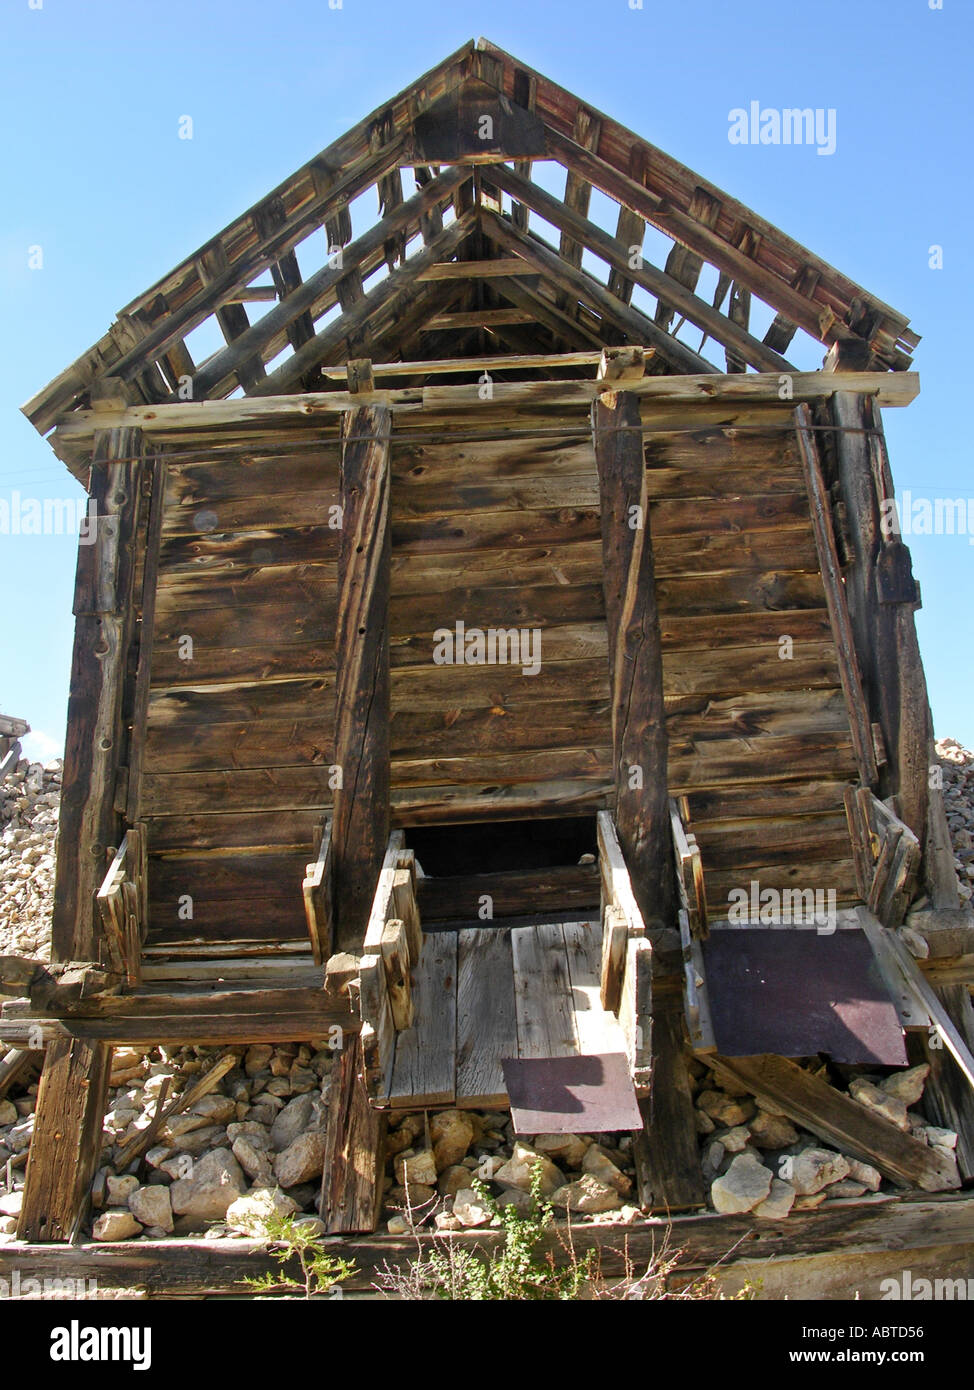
x,y
519,1168
216,1181
152,1206
813,1169
587,1195
252,1212
745,1184
907,1086
451,1133
292,1120
302,1160
115,1224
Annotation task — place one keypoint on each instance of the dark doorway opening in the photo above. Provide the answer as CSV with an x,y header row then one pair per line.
x,y
502,846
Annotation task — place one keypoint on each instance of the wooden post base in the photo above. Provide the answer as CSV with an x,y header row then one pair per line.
x,y
66,1145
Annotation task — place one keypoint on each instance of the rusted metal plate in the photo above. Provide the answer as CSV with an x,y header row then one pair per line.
x,y
795,992
593,1094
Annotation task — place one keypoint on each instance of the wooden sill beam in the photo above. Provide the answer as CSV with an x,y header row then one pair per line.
x,y
162,423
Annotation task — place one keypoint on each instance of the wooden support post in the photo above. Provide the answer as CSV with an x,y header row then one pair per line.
x,y
842,633
948,1097
95,747
317,891
360,828
639,738
351,1183
666,1153
881,597
66,1146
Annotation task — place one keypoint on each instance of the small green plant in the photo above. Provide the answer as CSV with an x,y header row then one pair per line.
x,y
320,1273
514,1272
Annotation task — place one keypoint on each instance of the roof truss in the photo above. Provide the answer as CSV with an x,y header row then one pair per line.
x,y
454,262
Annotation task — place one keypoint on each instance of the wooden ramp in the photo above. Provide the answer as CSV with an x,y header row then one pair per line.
x,y
483,994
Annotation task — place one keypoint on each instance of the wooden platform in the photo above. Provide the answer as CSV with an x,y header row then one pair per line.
x,y
486,993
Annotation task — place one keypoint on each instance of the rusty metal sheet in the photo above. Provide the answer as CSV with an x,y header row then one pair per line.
x,y
593,1094
795,992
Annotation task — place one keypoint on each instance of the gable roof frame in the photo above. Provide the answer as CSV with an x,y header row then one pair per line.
x,y
431,127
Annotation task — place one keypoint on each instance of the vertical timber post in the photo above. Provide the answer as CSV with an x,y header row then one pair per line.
x,y
104,628
882,595
360,827
639,739
66,1144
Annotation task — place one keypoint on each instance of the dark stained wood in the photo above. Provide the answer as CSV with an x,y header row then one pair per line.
x,y
188,1268
666,1152
351,1183
859,721
360,825
635,659
524,892
882,614
66,1144
96,735
948,1098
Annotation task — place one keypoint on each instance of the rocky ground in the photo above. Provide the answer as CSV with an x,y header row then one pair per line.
x,y
250,1144
755,1160
29,800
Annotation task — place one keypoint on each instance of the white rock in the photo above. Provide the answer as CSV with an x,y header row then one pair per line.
x,y
865,1173
845,1188
416,1167
255,1164
567,1150
734,1140
470,1209
600,1165
252,1212
152,1206
746,1183
120,1189
115,1224
216,1181
882,1102
301,1160
12,1202
518,1170
772,1131
940,1138
726,1110
587,1194
778,1202
906,1086
291,1121
814,1168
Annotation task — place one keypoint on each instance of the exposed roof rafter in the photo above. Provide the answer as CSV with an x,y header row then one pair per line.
x,y
460,127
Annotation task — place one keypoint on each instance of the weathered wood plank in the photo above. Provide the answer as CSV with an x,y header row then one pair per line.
x,y
351,1184
66,1144
96,734
426,1053
486,1024
542,993
665,1151
784,1088
635,656
360,826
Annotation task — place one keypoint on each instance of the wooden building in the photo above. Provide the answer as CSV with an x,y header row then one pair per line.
x,y
458,636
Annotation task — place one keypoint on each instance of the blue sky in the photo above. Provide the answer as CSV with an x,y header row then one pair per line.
x,y
94,174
